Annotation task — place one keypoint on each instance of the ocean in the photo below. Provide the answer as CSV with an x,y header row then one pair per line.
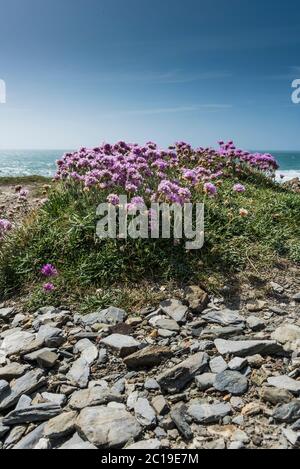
x,y
42,162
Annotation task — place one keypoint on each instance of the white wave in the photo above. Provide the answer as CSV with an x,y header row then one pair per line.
x,y
287,175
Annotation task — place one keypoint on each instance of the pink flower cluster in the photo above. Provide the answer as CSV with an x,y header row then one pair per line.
x,y
49,270
5,226
158,175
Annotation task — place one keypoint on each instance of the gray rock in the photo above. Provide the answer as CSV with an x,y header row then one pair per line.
x,y
123,344
209,413
222,332
87,349
47,359
36,413
145,444
297,297
167,324
245,348
106,427
276,287
92,397
166,334
51,336
205,381
201,346
148,357
11,371
288,334
175,309
77,443
7,313
4,387
151,384
43,444
225,317
15,435
24,402
175,379
60,426
79,373
58,399
296,426
17,342
178,417
235,445
144,413
285,382
237,364
255,324
110,316
231,381
160,405
3,429
103,356
28,383
287,413
292,437
32,439
217,365
131,400
275,396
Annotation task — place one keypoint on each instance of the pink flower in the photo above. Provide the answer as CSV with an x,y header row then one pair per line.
x,y
239,188
48,270
210,189
48,287
23,194
113,199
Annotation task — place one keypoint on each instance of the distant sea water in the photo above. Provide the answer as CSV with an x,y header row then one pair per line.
x,y
42,162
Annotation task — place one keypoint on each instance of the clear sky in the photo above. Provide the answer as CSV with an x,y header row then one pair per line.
x,y
79,72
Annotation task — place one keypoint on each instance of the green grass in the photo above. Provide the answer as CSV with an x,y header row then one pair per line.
x,y
63,233
23,180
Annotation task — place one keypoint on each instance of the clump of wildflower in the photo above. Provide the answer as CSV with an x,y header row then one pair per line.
x,y
239,188
113,199
210,189
5,225
48,270
48,287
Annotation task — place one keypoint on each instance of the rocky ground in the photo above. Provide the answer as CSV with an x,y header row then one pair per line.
x,y
188,373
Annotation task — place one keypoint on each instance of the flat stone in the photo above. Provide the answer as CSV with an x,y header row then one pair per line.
x,y
151,384
175,309
123,344
285,382
276,287
148,357
175,379
58,399
231,381
52,336
166,334
107,428
110,316
87,349
3,429
77,443
160,405
47,360
222,332
24,402
205,381
7,313
167,324
217,365
209,413
13,370
275,396
287,413
33,356
92,397
292,437
144,413
17,342
255,324
28,383
60,426
36,413
244,348
79,373
288,334
179,419
225,317
4,387
237,363
145,444
31,440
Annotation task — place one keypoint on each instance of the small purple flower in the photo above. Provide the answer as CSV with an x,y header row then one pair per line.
x,y
5,225
48,270
48,287
210,189
113,199
23,194
239,188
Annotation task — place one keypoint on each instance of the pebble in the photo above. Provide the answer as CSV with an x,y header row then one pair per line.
x,y
231,381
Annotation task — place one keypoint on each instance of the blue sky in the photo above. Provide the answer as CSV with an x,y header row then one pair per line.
x,y
79,72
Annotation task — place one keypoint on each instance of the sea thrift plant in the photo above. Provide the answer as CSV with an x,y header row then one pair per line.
x,y
48,270
146,173
48,287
